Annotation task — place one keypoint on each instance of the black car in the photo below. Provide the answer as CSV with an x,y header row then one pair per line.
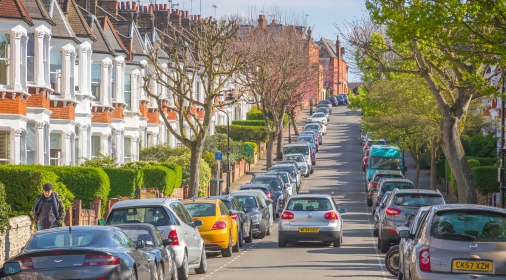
x,y
389,184
239,215
273,191
341,100
332,100
258,213
10,269
155,245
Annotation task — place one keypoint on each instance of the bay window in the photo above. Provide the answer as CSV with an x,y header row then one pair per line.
x,y
55,66
5,55
55,150
127,149
96,80
128,91
30,58
95,146
113,84
30,143
5,151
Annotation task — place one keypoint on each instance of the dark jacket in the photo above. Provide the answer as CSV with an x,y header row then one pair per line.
x,y
58,209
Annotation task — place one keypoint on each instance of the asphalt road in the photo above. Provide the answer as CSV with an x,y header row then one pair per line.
x,y
338,173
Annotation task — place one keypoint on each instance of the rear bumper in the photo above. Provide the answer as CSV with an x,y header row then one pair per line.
x,y
422,275
324,236
84,273
219,238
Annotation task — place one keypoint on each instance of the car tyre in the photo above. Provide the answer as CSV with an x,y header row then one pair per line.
x,y
268,230
184,270
314,163
241,238
226,253
202,269
262,233
249,239
312,170
307,175
385,245
236,247
337,243
369,202
391,260
375,233
378,243
281,242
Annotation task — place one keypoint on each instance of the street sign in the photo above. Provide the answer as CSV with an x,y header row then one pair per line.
x,y
218,156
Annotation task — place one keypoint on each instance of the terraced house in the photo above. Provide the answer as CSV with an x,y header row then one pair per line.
x,y
71,78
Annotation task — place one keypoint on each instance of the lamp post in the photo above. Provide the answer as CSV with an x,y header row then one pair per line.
x,y
502,149
229,97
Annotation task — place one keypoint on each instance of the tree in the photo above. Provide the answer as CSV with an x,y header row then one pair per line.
x,y
200,53
424,38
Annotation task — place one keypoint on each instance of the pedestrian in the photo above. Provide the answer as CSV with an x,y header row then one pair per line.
x,y
48,210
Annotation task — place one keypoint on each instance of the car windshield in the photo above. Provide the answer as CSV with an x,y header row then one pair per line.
x,y
319,115
469,225
58,239
417,200
385,163
309,204
322,110
151,215
283,176
296,150
379,176
390,186
340,97
201,209
248,202
324,102
309,139
295,158
275,184
313,126
136,234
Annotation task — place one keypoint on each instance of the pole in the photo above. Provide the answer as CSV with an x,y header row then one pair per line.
x,y
219,179
502,149
228,155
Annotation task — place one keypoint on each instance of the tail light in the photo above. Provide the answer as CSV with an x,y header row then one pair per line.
x,y
373,185
26,264
269,195
234,216
219,225
287,215
392,211
379,199
425,260
332,215
173,237
100,260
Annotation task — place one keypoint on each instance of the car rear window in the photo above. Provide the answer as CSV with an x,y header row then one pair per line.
x,y
309,204
390,186
151,215
312,127
295,158
247,202
201,209
296,150
275,184
256,188
136,234
417,200
469,225
379,176
62,239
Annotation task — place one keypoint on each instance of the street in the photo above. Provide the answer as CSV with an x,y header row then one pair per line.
x,y
338,173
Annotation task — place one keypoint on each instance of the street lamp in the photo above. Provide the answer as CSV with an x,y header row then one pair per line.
x,y
502,149
229,97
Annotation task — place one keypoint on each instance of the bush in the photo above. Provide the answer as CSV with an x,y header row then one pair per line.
x,y
160,152
157,177
123,181
485,161
251,123
205,171
178,173
100,161
485,178
473,162
24,182
440,165
5,210
254,114
245,133
479,145
252,144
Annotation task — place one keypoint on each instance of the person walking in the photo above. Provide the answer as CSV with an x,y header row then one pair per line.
x,y
48,210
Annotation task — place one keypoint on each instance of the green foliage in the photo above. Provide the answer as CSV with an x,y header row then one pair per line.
x,y
479,145
184,162
473,162
24,182
208,157
5,210
485,178
100,161
158,177
123,181
178,173
440,165
254,114
245,133
254,145
138,165
251,123
485,161
257,115
160,152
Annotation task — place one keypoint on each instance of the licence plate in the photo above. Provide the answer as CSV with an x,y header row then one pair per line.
x,y
308,230
464,265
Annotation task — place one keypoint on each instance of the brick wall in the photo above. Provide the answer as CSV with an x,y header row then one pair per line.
x,y
171,114
118,113
15,238
102,117
38,99
153,116
143,109
12,106
61,112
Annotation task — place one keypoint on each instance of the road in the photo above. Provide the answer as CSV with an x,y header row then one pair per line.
x,y
338,173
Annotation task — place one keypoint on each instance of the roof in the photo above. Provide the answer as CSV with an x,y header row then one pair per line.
x,y
76,19
143,202
473,207
388,172
101,45
310,195
416,191
61,28
37,10
329,46
199,200
112,36
395,180
15,9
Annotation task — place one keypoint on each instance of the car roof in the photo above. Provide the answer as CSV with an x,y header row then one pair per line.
x,y
442,207
401,191
310,195
255,185
259,193
296,145
220,197
292,155
144,202
396,180
267,175
388,171
199,200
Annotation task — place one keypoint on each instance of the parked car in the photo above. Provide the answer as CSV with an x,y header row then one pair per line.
x,y
315,136
274,190
154,244
373,184
325,111
457,241
367,144
320,122
240,215
289,181
84,252
257,211
397,209
317,117
290,168
300,148
265,200
325,103
378,212
314,128
219,231
311,217
300,161
365,158
307,139
389,184
342,99
172,220
332,100
296,165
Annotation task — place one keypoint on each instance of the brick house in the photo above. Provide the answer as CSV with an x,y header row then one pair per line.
x,y
335,68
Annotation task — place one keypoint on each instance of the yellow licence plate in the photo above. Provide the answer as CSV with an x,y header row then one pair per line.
x,y
308,230
486,266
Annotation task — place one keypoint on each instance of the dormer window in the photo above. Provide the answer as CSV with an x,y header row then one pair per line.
x,y
55,66
5,54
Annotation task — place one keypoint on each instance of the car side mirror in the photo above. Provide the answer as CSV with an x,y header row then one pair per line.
x,y
286,186
197,223
342,210
10,268
268,201
369,179
166,242
230,213
403,232
263,206
141,244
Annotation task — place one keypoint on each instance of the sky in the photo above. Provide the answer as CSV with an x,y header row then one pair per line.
x,y
321,15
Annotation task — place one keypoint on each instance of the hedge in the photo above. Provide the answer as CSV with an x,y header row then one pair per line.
x,y
257,115
486,161
172,178
123,181
485,178
251,123
178,172
5,210
24,182
157,176
252,144
205,171
245,133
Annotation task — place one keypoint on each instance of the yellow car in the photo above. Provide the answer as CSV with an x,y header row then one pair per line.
x,y
219,231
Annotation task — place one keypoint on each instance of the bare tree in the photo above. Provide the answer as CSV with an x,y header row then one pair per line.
x,y
200,53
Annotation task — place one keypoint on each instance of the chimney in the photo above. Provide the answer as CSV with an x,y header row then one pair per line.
x,y
262,23
165,7
134,6
187,13
338,47
109,6
122,6
309,34
274,22
151,9
198,17
175,19
162,17
127,5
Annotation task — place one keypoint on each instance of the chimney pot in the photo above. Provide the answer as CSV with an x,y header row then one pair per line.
x,y
134,6
176,12
122,7
187,14
198,16
151,9
128,5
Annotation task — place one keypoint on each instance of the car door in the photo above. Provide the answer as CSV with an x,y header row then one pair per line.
x,y
195,250
242,216
142,260
183,230
410,259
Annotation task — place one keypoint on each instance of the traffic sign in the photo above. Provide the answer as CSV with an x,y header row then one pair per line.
x,y
218,155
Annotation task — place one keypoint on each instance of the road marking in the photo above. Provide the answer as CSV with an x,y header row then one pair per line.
x,y
305,181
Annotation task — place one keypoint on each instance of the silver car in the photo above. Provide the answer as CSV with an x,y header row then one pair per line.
x,y
174,223
311,217
301,163
267,201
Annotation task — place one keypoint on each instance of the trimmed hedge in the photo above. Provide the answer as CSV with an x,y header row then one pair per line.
x,y
252,144
251,123
178,172
205,171
157,176
485,161
245,133
5,210
254,114
123,181
485,178
24,182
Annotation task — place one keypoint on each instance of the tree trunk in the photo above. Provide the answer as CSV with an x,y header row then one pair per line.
x,y
433,155
197,150
279,145
417,173
454,153
270,147
294,125
418,160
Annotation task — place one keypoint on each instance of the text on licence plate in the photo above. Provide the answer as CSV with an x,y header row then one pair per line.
x,y
472,265
308,230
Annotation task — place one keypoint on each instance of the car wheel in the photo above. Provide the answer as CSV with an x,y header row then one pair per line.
x,y
241,238
307,175
236,247
184,270
314,163
337,243
369,202
312,170
202,269
249,239
385,246
392,261
228,251
375,233
281,242
262,233
268,230
134,273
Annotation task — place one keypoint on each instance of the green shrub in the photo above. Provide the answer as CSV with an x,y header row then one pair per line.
x,y
178,173
251,123
157,177
208,157
160,152
123,181
245,133
254,114
485,161
5,210
473,162
252,144
440,165
24,182
479,145
184,162
485,178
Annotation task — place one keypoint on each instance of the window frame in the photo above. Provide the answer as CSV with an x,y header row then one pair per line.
x,y
128,101
7,135
94,83
8,76
56,84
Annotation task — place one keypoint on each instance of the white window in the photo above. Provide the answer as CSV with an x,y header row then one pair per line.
x,y
77,151
5,151
128,91
197,91
95,146
113,83
55,152
55,66
30,143
127,149
96,79
5,55
149,141
30,58
76,72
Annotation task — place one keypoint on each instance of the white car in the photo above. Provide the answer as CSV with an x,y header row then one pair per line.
x,y
302,163
317,117
323,127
